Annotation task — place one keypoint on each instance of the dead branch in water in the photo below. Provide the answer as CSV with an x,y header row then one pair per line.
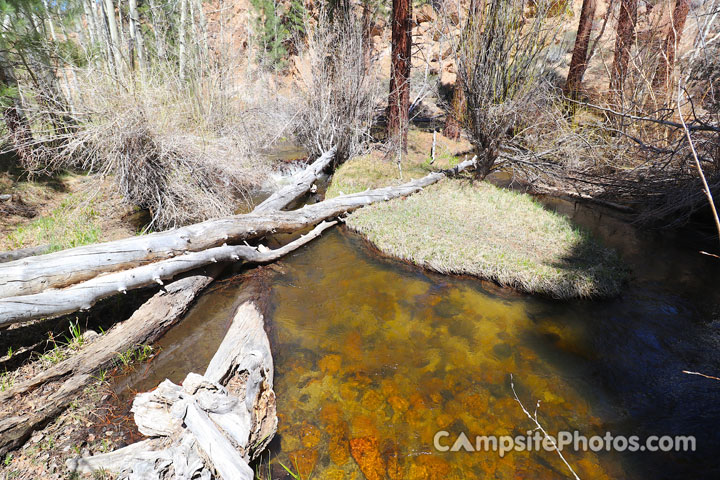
x,y
539,427
217,421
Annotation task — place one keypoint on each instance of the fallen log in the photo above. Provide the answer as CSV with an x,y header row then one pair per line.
x,y
218,421
65,381
69,377
84,295
60,269
300,184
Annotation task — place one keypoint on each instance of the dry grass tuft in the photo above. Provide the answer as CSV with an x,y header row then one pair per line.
x,y
478,229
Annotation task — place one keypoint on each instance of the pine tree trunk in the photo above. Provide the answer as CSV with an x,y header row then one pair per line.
x,y
456,114
578,63
399,101
623,43
667,61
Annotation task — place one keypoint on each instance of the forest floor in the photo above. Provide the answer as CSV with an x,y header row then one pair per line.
x,y
63,210
94,422
464,227
87,427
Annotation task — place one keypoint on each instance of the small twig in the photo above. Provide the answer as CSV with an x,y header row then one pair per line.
x,y
698,373
706,188
534,419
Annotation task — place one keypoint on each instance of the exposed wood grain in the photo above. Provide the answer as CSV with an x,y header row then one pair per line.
x,y
217,422
60,269
84,295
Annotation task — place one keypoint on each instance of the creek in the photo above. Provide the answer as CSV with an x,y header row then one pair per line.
x,y
374,356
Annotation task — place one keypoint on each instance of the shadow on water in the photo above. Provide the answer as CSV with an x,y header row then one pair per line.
x,y
373,357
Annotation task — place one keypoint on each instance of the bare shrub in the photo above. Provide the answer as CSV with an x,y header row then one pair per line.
x,y
183,150
503,58
339,88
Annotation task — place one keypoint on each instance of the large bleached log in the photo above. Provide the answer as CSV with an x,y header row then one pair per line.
x,y
299,185
64,382
60,269
83,295
218,422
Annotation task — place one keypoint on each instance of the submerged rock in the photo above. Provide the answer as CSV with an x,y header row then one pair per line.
x,y
366,452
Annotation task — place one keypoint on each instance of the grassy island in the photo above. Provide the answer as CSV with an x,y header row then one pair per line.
x,y
476,228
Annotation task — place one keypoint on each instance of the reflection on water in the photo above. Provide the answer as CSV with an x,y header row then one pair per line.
x,y
373,357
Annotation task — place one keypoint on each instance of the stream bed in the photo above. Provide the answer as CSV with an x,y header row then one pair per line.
x,y
373,357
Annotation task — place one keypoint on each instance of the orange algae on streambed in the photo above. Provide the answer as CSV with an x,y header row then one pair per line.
x,y
373,358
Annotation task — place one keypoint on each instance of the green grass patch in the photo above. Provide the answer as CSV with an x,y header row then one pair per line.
x,y
479,229
376,170
75,222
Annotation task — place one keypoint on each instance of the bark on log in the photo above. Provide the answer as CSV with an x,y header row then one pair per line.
x,y
219,424
300,184
84,295
71,376
60,269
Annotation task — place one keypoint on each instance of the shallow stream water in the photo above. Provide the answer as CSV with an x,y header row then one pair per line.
x,y
373,357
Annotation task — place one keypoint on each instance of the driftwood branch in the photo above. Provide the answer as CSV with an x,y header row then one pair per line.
x,y
218,421
84,295
299,185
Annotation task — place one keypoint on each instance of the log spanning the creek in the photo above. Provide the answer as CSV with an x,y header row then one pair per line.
x,y
29,288
25,276
63,382
83,295
216,422
299,184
